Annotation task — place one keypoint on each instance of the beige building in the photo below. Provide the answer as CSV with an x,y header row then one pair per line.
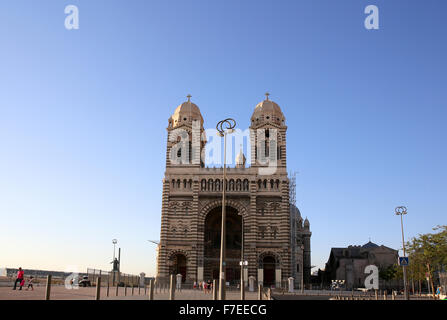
x,y
349,263
275,239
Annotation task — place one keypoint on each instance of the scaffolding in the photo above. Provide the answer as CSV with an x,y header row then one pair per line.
x,y
292,188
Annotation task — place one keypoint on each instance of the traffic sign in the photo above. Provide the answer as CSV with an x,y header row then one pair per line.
x,y
403,261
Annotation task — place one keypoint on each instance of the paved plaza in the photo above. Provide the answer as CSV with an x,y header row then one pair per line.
x,y
61,293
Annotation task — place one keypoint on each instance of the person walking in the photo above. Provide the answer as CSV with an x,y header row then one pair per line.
x,y
30,283
208,286
438,292
19,279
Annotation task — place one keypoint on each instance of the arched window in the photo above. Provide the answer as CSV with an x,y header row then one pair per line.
x,y
265,184
210,185
217,184
245,185
259,184
238,185
203,184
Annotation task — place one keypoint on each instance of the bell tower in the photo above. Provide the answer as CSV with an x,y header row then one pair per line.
x,y
268,135
185,130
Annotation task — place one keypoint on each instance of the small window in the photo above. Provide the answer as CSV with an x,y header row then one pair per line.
x,y
179,153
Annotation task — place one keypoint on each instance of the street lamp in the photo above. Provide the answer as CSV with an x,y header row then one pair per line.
x,y
242,263
401,211
223,127
114,241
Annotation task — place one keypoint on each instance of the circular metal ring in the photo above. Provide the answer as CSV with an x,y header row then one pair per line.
x,y
227,124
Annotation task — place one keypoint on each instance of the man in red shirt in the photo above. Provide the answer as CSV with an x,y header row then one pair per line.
x,y
19,279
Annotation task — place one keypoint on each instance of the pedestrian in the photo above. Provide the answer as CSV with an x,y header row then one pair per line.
x,y
438,292
208,285
204,287
30,283
19,279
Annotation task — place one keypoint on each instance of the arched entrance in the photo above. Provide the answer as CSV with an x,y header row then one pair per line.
x,y
212,234
178,265
269,265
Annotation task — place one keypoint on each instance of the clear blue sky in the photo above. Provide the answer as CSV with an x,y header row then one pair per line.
x,y
83,116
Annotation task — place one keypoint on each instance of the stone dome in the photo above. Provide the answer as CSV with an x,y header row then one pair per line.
x,y
185,114
267,111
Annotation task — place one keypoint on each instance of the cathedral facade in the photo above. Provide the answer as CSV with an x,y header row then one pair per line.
x,y
263,228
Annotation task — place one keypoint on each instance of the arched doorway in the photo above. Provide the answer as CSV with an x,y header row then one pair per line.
x,y
212,234
178,265
269,265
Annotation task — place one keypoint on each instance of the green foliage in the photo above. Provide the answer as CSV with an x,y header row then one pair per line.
x,y
427,252
388,273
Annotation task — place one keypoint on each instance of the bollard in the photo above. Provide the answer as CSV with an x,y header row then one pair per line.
x,y
139,289
151,289
48,289
145,287
214,289
116,290
98,288
172,288
108,287
125,289
132,288
259,291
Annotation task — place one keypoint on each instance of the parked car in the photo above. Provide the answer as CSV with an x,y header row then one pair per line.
x,y
85,282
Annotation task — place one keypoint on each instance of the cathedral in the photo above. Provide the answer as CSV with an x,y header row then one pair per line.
x,y
263,227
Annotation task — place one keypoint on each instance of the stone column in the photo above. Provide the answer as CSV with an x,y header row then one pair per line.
x,y
251,283
291,287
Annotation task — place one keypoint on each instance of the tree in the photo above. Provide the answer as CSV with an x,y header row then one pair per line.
x,y
428,253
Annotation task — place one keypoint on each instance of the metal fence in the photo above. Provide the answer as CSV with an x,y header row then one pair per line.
x,y
114,278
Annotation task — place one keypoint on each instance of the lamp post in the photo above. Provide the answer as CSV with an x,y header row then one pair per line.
x,y
114,241
223,127
243,263
401,211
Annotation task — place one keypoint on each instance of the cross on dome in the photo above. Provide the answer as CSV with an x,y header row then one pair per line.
x,y
267,95
189,97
